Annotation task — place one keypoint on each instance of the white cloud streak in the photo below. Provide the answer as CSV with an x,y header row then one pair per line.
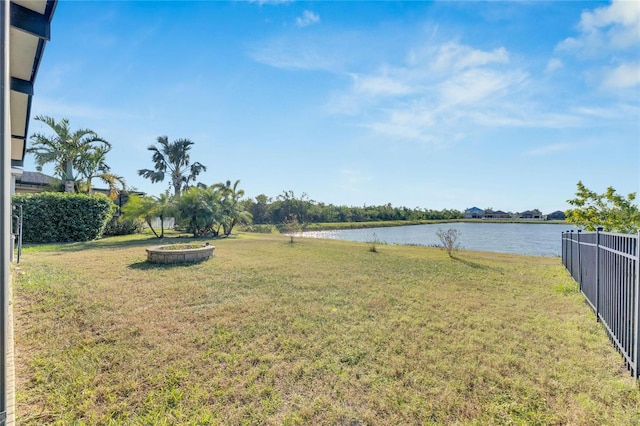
x,y
553,65
271,2
308,18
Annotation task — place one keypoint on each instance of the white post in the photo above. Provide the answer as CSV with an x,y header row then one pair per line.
x,y
5,200
636,320
599,230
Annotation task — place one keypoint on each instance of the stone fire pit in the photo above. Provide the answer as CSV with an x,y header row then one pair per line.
x,y
180,253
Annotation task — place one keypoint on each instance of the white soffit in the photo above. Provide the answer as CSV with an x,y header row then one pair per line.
x,y
19,105
29,31
39,6
22,54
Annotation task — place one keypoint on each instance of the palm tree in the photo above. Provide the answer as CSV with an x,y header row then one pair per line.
x,y
200,208
66,148
164,207
148,208
232,209
93,165
173,158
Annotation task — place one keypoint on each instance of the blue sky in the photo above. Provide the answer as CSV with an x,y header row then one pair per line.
x,y
419,104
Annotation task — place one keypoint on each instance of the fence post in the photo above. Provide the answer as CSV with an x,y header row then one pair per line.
x,y
579,260
571,253
636,289
598,231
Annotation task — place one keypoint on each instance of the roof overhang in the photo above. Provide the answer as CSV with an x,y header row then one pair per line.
x,y
30,30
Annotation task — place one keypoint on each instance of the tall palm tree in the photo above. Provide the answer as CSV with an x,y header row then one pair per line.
x,y
173,158
66,148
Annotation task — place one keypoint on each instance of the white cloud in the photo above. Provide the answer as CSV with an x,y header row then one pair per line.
x,y
303,55
609,33
412,122
554,64
456,57
477,84
307,18
623,76
379,85
442,92
615,27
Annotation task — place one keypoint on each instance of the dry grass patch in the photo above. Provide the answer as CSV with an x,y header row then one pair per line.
x,y
316,332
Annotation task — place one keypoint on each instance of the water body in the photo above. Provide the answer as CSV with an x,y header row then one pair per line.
x,y
537,239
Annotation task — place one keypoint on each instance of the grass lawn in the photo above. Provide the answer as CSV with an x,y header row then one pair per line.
x,y
318,332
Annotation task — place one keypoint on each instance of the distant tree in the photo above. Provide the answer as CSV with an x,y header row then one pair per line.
x,y
260,209
291,227
173,158
614,212
66,148
288,204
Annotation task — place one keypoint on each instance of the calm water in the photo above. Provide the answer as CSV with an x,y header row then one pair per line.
x,y
535,239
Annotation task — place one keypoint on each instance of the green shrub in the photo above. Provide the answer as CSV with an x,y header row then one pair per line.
x,y
260,229
126,226
63,217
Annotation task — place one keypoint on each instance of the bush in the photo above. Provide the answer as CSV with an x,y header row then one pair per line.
x,y
449,240
260,229
120,226
63,217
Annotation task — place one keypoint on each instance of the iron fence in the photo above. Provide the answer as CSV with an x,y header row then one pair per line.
x,y
606,266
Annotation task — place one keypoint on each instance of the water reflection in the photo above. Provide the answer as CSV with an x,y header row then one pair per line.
x,y
537,239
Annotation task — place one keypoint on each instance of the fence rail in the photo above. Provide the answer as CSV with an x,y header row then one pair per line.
x,y
606,266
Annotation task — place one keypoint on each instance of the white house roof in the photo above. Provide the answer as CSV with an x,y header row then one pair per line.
x,y
30,30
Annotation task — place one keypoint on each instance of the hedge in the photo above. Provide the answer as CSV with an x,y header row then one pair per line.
x,y
63,217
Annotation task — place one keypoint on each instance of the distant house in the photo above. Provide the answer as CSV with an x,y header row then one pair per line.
x,y
557,215
530,214
31,182
473,213
497,214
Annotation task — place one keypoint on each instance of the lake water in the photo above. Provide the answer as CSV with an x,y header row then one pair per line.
x,y
537,239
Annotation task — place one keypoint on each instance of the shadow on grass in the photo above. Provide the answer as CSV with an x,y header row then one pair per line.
x,y
471,264
108,243
146,265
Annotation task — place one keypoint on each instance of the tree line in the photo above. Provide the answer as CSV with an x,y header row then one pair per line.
x,y
266,210
79,157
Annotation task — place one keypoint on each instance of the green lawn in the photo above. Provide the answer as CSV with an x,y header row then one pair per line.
x,y
318,332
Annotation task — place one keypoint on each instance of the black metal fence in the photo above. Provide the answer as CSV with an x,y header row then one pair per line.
x,y
605,265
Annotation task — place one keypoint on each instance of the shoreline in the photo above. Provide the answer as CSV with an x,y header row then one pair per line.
x,y
333,226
